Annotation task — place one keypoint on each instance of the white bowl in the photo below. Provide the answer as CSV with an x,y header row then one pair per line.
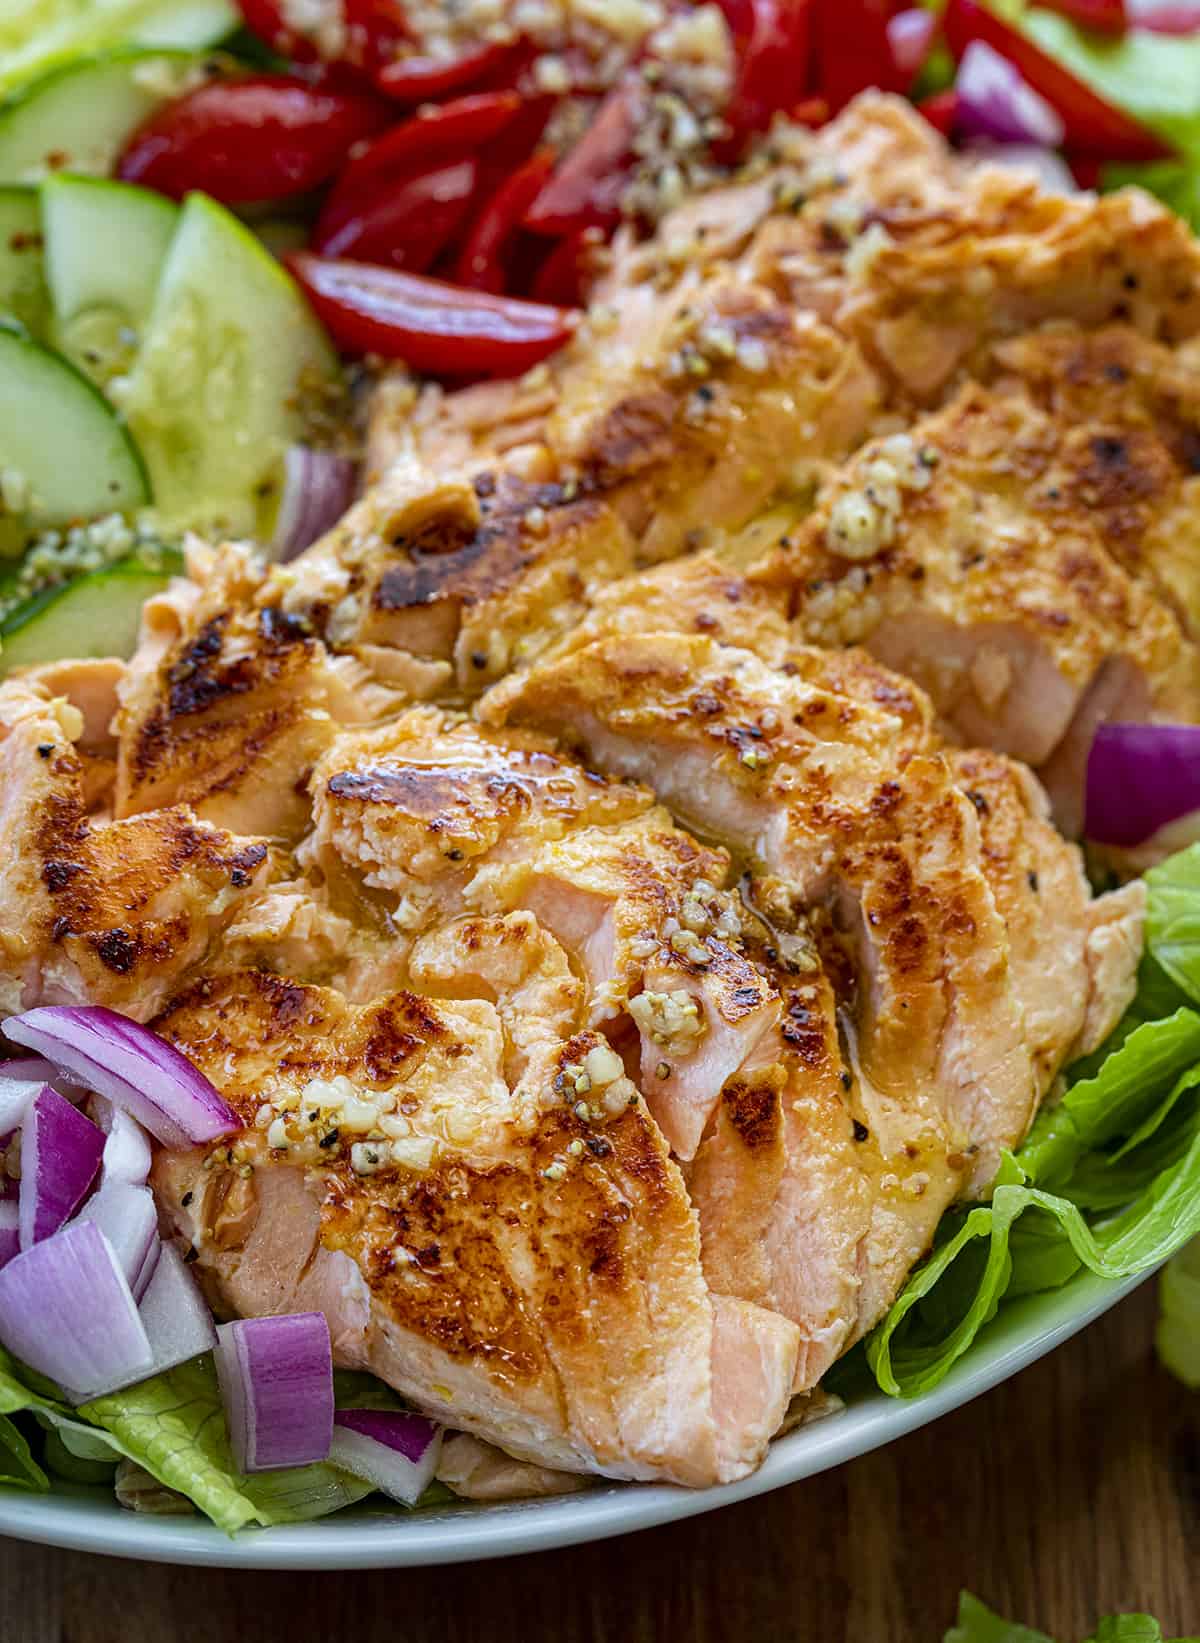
x,y
378,1536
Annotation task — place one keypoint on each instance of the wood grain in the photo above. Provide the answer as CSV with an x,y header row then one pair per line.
x,y
1071,1491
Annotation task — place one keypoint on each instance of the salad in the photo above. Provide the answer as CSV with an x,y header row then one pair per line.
x,y
225,235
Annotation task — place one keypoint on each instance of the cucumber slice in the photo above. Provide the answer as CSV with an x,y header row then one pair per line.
x,y
64,455
37,35
93,615
23,295
106,244
232,367
79,115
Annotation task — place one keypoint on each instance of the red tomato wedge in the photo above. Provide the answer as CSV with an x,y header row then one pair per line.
x,y
446,131
265,138
1092,125
772,42
941,110
482,262
585,189
437,328
1104,16
560,278
853,51
417,79
403,223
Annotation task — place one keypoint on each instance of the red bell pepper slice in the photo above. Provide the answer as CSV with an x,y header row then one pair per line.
x,y
447,131
437,328
1092,125
264,138
482,261
941,110
402,225
1103,16
853,51
586,188
772,44
417,79
562,275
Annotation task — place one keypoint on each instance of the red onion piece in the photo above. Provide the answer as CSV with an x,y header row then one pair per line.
x,y
276,1377
16,1098
910,35
1139,778
132,1067
175,1314
398,1453
67,1312
995,101
1164,16
127,1154
33,1069
1051,170
60,1154
318,487
10,1236
128,1218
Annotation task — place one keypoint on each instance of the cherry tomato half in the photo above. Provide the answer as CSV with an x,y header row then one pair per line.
x,y
264,138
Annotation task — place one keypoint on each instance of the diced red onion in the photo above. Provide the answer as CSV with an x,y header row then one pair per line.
x,y
1139,778
318,487
10,1236
16,1098
132,1067
175,1314
995,101
67,1312
32,1069
60,1154
1164,16
910,36
128,1218
127,1154
1051,170
276,1377
398,1453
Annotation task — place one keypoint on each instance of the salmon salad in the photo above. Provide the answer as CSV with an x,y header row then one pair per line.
x,y
648,879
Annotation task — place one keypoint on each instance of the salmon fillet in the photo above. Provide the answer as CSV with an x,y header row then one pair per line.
x,y
96,911
523,1274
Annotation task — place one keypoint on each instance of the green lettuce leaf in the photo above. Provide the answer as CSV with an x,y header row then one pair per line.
x,y
977,1624
1124,1144
173,1426
1173,910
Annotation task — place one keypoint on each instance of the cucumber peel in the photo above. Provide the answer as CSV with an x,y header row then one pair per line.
x,y
97,614
233,368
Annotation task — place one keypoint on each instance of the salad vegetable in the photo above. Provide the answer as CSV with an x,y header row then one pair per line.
x,y
978,1624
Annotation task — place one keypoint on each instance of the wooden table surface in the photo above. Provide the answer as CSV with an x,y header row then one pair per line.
x,y
1070,1491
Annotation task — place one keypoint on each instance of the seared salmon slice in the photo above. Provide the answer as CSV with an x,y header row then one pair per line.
x,y
856,811
513,1269
440,814
229,701
951,554
96,911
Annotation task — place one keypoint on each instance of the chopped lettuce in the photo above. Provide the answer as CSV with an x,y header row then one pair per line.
x,y
1108,1178
173,1426
1173,910
977,1624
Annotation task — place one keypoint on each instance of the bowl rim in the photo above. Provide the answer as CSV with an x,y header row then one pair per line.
x,y
375,1536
